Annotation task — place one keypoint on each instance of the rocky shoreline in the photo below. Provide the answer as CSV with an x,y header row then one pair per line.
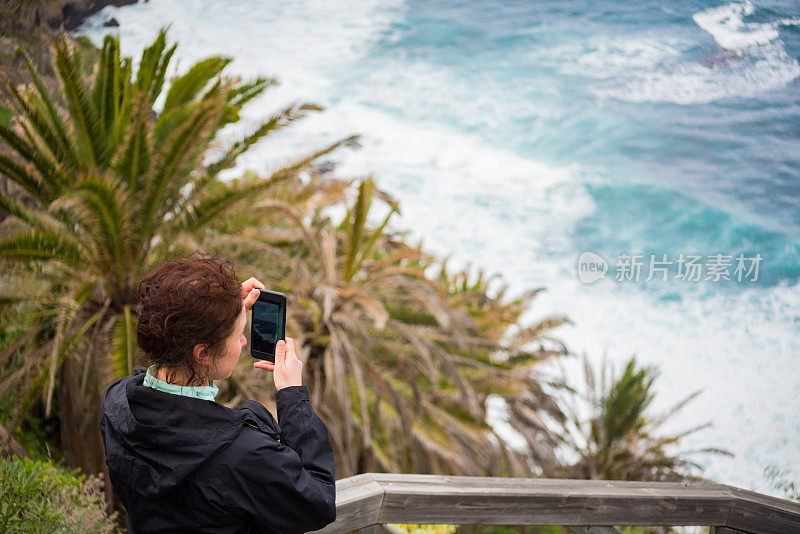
x,y
74,12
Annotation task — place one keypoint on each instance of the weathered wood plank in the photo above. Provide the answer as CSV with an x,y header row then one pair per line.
x,y
385,498
471,484
358,503
509,501
754,512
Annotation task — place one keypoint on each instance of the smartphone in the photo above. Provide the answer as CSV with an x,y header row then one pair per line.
x,y
268,324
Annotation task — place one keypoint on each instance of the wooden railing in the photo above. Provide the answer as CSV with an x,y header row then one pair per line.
x,y
375,499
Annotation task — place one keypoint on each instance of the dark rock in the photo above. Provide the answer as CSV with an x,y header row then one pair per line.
x,y
75,12
111,23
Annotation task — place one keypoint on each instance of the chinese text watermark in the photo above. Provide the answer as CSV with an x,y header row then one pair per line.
x,y
661,267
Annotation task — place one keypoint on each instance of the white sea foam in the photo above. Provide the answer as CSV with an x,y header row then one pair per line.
x,y
613,57
439,172
648,67
727,26
693,83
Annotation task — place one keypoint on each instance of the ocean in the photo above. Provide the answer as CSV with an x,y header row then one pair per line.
x,y
518,135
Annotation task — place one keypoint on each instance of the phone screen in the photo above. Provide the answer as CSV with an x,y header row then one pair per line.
x,y
267,326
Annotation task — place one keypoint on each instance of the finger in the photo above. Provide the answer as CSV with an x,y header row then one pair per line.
x,y
290,348
251,283
280,354
247,285
268,366
251,298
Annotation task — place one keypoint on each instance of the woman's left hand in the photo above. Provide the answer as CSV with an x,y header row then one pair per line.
x,y
250,291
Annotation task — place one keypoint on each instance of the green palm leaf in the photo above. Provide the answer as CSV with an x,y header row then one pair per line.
x,y
187,88
102,209
170,173
88,131
216,202
53,129
49,181
135,158
37,245
153,66
357,219
284,117
239,96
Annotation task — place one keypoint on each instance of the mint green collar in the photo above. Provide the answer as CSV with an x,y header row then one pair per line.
x,y
198,392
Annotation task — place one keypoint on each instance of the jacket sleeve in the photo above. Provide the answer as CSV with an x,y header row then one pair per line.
x,y
304,432
287,486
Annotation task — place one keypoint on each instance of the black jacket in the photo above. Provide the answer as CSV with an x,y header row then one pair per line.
x,y
182,464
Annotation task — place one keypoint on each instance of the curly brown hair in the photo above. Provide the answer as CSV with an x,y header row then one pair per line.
x,y
187,301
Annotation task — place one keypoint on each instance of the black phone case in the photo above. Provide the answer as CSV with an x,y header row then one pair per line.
x,y
273,297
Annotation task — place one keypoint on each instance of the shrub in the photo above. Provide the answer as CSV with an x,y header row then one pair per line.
x,y
38,496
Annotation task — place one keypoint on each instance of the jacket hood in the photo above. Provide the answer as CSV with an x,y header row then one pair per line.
x,y
155,440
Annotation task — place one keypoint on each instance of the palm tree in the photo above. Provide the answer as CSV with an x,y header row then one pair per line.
x,y
104,183
620,440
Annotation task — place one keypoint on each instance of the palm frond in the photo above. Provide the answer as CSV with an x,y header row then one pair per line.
x,y
171,170
357,217
88,131
51,127
101,208
43,187
135,158
214,204
286,116
187,87
245,92
153,66
38,245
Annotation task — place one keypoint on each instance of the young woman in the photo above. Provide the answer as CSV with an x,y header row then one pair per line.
x,y
180,461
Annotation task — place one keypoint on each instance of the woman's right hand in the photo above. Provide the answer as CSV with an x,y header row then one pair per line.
x,y
287,369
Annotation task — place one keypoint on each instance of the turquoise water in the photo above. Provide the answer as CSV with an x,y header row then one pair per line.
x,y
696,145
517,135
